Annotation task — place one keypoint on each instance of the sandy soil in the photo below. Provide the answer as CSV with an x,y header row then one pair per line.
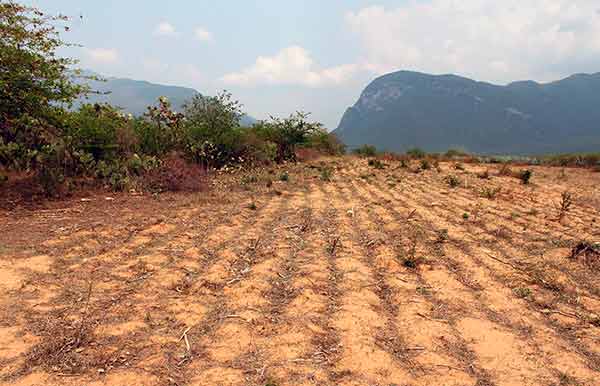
x,y
377,277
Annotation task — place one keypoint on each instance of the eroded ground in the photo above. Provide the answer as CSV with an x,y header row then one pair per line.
x,y
377,277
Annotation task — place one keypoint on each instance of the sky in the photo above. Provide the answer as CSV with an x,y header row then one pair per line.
x,y
281,56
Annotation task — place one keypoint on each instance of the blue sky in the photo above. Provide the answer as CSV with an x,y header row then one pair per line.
x,y
277,57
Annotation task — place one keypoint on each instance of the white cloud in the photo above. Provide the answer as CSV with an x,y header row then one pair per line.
x,y
165,29
292,65
488,39
102,55
203,35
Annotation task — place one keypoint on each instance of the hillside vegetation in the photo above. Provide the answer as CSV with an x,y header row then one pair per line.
x,y
59,149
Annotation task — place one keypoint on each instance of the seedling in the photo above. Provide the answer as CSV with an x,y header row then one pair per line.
x,y
565,204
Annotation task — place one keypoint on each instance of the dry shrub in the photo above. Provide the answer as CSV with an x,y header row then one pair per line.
x,y
176,175
505,171
306,154
588,253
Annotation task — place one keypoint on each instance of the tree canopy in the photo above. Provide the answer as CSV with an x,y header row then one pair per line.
x,y
35,82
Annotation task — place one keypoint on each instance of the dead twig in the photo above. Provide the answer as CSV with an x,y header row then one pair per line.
x,y
432,319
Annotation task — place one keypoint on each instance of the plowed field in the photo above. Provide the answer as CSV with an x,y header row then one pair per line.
x,y
375,277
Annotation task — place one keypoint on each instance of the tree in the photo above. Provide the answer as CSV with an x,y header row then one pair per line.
x,y
213,116
35,83
213,128
289,133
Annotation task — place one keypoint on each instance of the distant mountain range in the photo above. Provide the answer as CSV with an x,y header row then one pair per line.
x,y
406,109
134,96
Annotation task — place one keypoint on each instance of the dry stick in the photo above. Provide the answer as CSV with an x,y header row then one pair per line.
x,y
186,340
547,311
334,246
85,313
433,319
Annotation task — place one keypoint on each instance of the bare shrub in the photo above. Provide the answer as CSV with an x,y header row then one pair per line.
x,y
175,175
588,253
565,204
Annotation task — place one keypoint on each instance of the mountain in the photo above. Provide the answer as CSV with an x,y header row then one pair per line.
x,y
407,109
134,96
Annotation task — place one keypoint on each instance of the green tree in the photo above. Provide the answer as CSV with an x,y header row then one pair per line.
x,y
213,128
35,82
289,133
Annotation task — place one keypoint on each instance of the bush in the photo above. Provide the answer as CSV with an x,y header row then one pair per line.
x,y
366,151
416,153
425,164
325,143
93,130
525,176
290,134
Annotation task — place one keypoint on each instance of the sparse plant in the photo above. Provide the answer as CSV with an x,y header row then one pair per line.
x,y
425,164
249,179
566,201
522,292
505,171
377,164
410,259
252,206
285,177
326,173
403,163
423,291
442,236
459,166
453,181
465,216
562,175
410,262
490,192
